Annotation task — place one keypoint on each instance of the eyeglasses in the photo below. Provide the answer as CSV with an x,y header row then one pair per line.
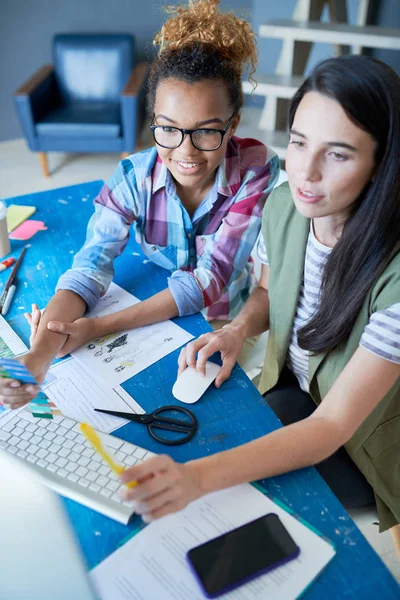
x,y
202,139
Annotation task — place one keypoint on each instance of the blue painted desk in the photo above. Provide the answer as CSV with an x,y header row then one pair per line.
x,y
227,417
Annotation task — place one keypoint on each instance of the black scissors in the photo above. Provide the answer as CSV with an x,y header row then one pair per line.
x,y
158,420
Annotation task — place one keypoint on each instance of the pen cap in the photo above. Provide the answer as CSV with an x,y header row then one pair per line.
x,y
4,240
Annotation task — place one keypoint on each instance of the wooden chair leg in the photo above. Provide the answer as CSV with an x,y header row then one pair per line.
x,y
43,162
395,531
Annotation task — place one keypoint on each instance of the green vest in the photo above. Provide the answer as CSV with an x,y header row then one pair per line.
x,y
375,446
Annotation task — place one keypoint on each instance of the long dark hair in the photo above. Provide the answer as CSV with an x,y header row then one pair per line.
x,y
369,92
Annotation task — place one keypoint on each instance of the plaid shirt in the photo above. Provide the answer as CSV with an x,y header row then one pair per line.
x,y
208,254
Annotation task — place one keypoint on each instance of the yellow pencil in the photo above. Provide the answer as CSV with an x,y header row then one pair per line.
x,y
94,439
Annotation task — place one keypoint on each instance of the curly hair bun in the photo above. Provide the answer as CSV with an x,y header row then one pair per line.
x,y
200,22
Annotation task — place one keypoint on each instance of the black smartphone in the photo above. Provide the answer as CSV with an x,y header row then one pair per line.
x,y
238,556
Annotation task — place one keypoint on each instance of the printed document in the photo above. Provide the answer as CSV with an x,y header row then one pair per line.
x,y
152,564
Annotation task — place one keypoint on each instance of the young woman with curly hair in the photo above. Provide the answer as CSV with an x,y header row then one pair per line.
x,y
195,199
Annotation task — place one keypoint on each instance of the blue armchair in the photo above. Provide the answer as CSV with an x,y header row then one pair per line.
x,y
89,101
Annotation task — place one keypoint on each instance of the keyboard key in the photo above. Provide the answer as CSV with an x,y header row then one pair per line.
x,y
52,427
51,468
13,450
71,435
105,492
51,457
93,465
116,498
42,453
54,448
140,453
62,473
79,448
120,456
61,462
22,453
83,461
17,431
4,435
68,423
88,452
68,444
74,457
14,440
102,481
23,445
59,440
104,470
4,446
62,431
31,427
113,485
91,476
26,435
64,452
42,463
73,477
81,471
8,427
35,439
130,461
94,487
84,483
44,444
32,458
32,448
71,466
49,436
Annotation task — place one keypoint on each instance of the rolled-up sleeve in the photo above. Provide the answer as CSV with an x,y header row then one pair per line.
x,y
116,208
226,252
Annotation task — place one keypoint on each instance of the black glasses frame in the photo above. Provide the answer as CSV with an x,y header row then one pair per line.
x,y
190,132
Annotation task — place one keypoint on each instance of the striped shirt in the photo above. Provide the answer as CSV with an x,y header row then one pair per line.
x,y
207,254
381,336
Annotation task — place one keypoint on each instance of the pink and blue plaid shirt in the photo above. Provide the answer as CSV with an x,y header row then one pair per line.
x,y
208,254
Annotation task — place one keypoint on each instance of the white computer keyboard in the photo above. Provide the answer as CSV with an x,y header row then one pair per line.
x,y
66,461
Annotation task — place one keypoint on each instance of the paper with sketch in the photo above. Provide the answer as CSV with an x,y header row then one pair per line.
x,y
119,356
76,393
153,564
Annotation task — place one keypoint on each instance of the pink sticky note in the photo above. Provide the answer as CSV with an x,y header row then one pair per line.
x,y
27,230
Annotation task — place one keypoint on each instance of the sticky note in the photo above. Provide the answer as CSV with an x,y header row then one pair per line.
x,y
27,230
17,215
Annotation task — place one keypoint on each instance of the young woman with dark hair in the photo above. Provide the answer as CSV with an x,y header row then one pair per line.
x,y
196,198
330,296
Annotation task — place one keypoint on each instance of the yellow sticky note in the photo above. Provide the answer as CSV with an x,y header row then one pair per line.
x,y
18,214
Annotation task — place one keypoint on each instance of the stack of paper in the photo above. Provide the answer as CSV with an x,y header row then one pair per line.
x,y
152,565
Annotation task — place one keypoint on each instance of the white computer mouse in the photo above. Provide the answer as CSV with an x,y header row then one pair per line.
x,y
191,385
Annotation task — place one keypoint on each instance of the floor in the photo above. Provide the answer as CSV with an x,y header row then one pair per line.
x,y
20,173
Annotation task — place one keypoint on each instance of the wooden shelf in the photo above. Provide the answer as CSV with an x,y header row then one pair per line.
x,y
281,86
368,36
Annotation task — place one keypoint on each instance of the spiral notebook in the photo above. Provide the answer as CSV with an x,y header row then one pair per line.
x,y
152,563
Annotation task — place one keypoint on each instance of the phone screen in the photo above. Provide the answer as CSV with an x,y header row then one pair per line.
x,y
240,555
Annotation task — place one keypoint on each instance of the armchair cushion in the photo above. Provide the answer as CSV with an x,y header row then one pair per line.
x,y
82,119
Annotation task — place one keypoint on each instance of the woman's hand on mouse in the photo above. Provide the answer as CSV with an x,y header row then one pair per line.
x,y
228,341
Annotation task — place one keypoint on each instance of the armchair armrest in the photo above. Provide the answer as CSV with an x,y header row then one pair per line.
x,y
33,82
132,106
35,98
136,80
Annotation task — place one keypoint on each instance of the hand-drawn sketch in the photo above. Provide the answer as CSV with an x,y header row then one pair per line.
x,y
119,356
